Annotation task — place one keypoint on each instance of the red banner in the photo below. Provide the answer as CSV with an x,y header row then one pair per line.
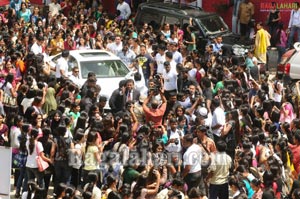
x,y
36,2
4,2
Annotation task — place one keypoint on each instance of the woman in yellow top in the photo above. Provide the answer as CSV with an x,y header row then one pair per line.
x,y
57,43
94,148
262,42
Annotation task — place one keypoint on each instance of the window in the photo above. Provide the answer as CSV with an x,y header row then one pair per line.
x,y
72,63
213,24
104,69
152,19
171,20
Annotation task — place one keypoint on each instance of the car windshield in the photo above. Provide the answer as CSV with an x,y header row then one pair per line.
x,y
104,69
213,24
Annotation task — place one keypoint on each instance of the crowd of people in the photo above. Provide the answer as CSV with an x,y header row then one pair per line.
x,y
184,123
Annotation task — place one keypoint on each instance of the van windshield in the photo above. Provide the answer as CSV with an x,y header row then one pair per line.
x,y
213,25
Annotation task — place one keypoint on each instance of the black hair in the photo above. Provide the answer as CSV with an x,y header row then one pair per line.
x,y
268,178
114,195
221,146
33,135
92,180
60,189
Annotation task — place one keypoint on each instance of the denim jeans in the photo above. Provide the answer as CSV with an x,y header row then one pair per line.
x,y
33,173
294,29
22,180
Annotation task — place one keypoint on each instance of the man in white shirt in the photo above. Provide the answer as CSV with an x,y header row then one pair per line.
x,y
74,77
62,65
54,8
170,79
37,47
160,58
191,162
218,119
115,46
124,9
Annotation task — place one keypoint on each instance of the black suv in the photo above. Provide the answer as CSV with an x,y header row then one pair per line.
x,y
206,25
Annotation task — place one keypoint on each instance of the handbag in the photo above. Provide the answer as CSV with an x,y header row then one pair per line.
x,y
9,100
42,164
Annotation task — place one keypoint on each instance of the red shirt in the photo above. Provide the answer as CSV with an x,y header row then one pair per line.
x,y
155,115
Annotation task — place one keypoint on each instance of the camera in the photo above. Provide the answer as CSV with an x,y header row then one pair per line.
x,y
173,193
176,141
156,76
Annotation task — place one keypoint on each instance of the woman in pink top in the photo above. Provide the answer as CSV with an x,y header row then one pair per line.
x,y
281,39
9,68
286,110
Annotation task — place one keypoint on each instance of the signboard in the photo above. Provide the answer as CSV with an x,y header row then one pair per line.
x,y
286,6
5,168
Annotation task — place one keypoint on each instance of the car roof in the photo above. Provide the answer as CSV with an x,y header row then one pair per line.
x,y
176,8
90,55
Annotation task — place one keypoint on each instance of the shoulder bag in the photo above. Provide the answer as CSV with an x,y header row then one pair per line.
x,y
42,164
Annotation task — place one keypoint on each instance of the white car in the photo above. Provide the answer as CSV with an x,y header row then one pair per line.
x,y
290,63
109,68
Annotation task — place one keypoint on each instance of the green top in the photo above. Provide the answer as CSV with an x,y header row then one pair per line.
x,y
130,175
191,47
218,86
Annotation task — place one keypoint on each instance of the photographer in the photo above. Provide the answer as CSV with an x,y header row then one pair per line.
x,y
174,137
155,113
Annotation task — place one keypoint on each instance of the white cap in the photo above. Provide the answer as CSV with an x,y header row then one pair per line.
x,y
202,111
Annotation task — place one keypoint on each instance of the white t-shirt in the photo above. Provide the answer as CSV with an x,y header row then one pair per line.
x,y
15,132
160,59
26,102
170,80
36,49
62,64
31,158
7,88
192,157
218,118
